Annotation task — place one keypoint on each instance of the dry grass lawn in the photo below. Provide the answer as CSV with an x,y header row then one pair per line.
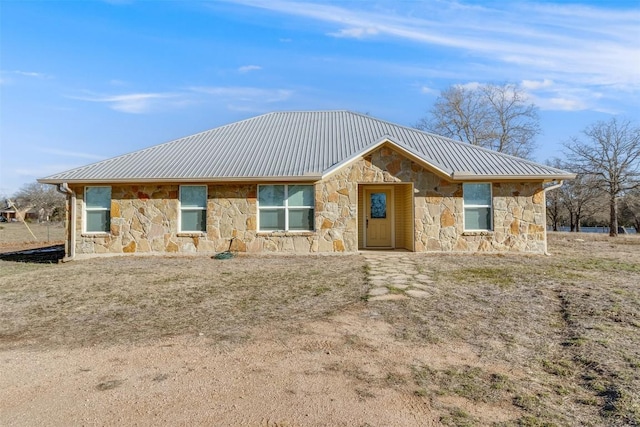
x,y
16,236
505,340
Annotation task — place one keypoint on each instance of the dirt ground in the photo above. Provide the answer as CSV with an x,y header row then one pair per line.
x,y
292,341
190,380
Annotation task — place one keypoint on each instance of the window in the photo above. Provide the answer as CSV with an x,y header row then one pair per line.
x,y
285,207
193,208
477,206
97,209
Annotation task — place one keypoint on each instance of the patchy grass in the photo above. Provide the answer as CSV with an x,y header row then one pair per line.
x,y
125,299
565,331
518,340
16,233
498,276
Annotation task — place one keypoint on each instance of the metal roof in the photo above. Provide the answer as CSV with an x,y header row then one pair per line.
x,y
301,146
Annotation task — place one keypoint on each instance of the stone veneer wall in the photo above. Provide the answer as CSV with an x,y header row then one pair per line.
x,y
144,218
519,211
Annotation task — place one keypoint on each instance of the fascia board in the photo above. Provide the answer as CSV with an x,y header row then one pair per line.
x,y
304,178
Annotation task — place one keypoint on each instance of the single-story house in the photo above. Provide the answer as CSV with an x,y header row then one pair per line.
x,y
307,182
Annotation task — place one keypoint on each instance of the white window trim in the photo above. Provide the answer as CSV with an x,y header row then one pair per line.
x,y
490,206
180,209
286,209
86,209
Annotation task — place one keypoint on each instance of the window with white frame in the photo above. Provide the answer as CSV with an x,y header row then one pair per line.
x,y
97,209
193,208
286,207
477,206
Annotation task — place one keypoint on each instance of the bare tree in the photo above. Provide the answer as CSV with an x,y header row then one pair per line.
x,y
631,208
42,197
580,197
555,206
611,154
497,117
555,213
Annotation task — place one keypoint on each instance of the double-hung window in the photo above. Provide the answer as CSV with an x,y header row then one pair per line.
x,y
477,206
193,208
97,209
286,207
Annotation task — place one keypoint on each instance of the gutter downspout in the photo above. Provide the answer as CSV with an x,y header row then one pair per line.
x,y
71,238
545,189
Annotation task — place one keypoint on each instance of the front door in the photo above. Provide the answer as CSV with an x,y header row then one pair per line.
x,y
379,219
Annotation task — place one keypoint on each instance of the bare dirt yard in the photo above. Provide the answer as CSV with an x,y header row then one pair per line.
x,y
505,340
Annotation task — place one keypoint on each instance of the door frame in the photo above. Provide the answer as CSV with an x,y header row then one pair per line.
x,y
366,189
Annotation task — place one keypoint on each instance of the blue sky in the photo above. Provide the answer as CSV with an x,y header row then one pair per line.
x,y
81,81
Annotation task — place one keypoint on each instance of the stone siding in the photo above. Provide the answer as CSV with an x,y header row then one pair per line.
x,y
144,218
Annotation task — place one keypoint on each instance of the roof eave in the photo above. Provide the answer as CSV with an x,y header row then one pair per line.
x,y
468,176
297,178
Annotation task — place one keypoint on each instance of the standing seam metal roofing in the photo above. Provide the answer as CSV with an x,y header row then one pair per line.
x,y
297,144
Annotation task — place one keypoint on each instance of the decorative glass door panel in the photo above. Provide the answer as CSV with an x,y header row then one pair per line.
x,y
378,218
378,205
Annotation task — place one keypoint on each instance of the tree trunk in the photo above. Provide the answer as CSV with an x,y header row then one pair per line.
x,y
577,223
613,216
572,222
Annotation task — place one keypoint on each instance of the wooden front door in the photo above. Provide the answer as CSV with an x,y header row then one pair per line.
x,y
379,217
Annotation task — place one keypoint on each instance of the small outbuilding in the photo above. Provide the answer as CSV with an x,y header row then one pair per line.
x,y
307,182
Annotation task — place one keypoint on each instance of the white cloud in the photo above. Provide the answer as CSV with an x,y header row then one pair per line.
x,y
542,44
427,90
564,104
133,103
32,74
536,84
357,33
248,68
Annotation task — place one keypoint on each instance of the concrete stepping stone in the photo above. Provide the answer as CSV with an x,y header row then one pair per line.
x,y
378,291
418,293
421,286
388,297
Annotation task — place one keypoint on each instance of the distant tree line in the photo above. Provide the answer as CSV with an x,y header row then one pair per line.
x,y
606,159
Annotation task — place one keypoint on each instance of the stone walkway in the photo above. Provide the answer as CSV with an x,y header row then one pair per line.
x,y
396,276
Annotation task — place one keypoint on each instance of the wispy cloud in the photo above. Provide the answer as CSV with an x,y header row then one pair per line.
x,y
248,68
32,74
133,103
356,33
66,153
427,90
575,45
550,95
237,97
535,85
7,75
